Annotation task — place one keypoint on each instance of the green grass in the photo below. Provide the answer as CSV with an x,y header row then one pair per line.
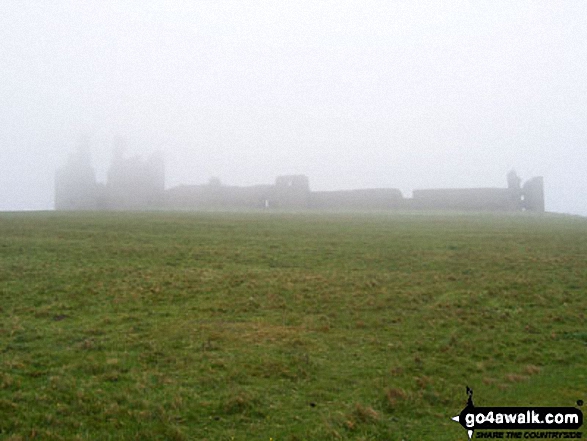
x,y
162,326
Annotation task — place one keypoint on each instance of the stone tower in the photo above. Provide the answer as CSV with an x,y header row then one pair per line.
x,y
75,183
533,193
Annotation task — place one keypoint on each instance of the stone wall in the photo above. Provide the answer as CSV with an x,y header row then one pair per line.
x,y
366,199
218,197
533,194
75,183
137,184
474,199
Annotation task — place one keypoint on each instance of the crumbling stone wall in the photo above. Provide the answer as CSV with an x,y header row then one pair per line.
x,y
533,194
218,197
75,183
366,199
515,190
290,192
474,199
515,197
135,184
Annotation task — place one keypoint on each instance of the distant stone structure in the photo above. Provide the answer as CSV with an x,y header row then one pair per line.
x,y
533,194
137,184
291,191
132,183
476,199
75,183
529,197
219,197
364,199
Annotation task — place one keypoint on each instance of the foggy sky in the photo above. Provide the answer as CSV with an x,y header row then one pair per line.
x,y
354,94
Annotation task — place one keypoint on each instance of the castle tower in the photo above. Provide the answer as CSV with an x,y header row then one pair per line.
x,y
514,190
292,191
75,183
533,193
134,183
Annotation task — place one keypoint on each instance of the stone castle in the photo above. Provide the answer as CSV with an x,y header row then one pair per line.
x,y
139,184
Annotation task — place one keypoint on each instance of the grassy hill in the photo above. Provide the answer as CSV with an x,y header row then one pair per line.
x,y
177,326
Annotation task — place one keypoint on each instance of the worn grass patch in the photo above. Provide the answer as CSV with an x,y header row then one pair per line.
x,y
183,326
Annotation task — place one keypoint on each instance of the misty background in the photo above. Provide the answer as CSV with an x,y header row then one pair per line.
x,y
354,94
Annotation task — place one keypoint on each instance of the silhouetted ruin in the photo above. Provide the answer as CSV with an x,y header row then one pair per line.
x,y
137,184
132,184
75,183
533,194
479,199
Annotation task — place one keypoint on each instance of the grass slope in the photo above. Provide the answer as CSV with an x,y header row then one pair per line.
x,y
284,326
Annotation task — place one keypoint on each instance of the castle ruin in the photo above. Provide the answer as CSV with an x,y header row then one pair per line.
x,y
132,183
137,184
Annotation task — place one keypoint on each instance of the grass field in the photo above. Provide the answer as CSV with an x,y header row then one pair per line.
x,y
160,326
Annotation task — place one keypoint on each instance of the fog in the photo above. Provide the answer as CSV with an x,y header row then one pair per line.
x,y
353,94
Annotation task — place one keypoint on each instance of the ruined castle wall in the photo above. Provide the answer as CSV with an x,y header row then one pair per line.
x,y
533,194
210,197
75,184
134,184
366,199
290,192
477,199
75,190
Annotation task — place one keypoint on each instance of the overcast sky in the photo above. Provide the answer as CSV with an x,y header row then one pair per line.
x,y
354,94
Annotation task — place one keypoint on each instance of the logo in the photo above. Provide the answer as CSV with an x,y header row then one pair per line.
x,y
520,418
